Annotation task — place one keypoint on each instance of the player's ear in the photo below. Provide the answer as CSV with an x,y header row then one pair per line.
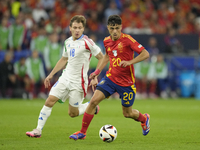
x,y
108,27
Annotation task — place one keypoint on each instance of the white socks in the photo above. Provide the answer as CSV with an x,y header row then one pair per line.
x,y
44,114
82,108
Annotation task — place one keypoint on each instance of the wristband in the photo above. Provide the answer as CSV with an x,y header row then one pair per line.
x,y
97,71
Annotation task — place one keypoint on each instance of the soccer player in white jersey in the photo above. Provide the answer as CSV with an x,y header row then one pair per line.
x,y
73,82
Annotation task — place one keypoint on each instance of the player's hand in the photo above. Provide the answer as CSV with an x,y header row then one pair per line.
x,y
47,81
94,74
93,83
124,63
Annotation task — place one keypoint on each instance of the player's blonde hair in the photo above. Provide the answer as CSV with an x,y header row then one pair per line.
x,y
78,19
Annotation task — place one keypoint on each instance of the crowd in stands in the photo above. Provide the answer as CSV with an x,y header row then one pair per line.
x,y
32,33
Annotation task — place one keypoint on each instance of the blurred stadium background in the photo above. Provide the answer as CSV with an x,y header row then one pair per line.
x,y
32,33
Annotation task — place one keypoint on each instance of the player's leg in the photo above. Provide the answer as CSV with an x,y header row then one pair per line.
x,y
88,115
75,103
127,95
43,116
102,91
58,91
128,112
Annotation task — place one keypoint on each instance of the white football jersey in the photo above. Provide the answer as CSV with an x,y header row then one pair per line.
x,y
79,53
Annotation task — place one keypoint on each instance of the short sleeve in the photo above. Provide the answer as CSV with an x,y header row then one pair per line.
x,y
65,54
92,46
135,46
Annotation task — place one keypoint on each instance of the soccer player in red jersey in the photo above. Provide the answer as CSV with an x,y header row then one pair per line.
x,y
119,78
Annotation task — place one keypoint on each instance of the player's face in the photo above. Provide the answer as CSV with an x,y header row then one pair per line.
x,y
76,30
115,31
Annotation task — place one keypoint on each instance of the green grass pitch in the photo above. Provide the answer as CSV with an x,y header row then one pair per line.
x,y
175,125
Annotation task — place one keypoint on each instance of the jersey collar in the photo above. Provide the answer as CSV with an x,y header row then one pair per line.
x,y
78,38
81,37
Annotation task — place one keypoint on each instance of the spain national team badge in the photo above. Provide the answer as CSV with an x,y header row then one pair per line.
x,y
102,82
120,47
114,52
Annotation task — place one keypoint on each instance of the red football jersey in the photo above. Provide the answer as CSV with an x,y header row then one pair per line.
x,y
122,49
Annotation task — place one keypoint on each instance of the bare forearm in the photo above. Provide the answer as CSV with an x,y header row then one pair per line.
x,y
102,63
142,56
60,64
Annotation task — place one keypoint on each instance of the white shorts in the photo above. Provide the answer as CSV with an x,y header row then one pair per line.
x,y
67,91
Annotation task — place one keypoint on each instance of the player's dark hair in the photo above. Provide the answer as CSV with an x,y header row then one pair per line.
x,y
78,19
114,20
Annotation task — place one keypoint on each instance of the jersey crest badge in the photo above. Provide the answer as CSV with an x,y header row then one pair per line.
x,y
109,49
114,52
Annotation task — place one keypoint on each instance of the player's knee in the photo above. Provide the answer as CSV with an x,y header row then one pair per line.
x,y
50,101
93,103
73,114
126,115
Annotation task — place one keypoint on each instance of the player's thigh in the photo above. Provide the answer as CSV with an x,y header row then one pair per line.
x,y
73,111
60,91
51,100
76,98
97,97
127,95
106,86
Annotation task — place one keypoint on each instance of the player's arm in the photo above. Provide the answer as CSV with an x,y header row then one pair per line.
x,y
94,80
142,56
100,66
60,64
100,58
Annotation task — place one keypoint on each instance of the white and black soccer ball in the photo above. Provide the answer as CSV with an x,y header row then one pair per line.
x,y
108,133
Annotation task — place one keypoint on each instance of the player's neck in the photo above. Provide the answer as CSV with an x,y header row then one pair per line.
x,y
74,38
115,39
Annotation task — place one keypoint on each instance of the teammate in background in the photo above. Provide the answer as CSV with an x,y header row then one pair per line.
x,y
7,76
40,42
16,34
145,79
4,33
73,82
52,54
36,73
119,78
23,81
161,74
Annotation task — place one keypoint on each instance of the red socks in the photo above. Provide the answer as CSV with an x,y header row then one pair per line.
x,y
141,118
87,118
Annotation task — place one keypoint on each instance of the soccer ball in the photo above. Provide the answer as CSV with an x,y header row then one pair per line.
x,y
108,133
